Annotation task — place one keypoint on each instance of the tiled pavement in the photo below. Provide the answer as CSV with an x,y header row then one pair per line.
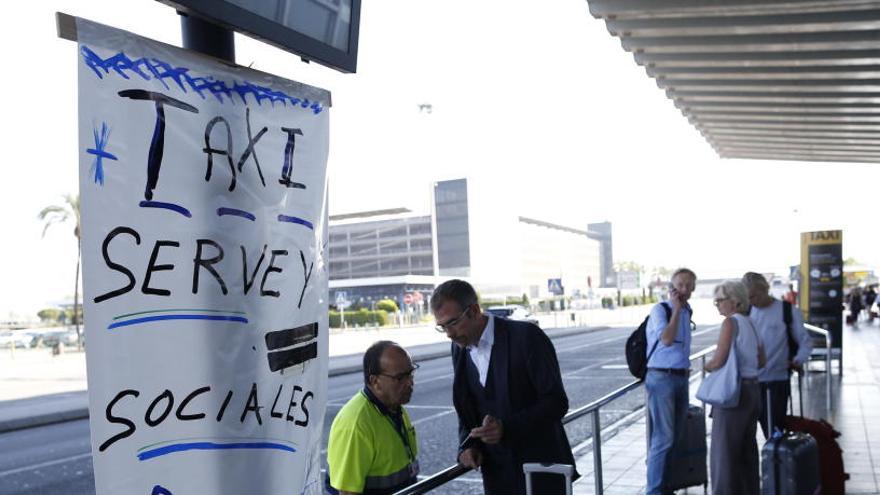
x,y
855,412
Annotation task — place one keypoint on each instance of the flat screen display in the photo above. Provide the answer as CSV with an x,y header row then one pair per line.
x,y
324,31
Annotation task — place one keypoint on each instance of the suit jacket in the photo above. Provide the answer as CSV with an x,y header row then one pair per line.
x,y
531,403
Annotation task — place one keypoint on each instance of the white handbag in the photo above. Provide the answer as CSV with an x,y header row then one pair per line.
x,y
721,387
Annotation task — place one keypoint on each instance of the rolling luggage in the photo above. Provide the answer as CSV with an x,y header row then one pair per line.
x,y
831,474
535,467
688,465
789,462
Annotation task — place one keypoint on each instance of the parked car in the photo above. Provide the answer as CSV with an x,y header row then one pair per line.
x,y
512,312
50,339
21,340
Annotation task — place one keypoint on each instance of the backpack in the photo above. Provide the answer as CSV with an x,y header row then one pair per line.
x,y
637,345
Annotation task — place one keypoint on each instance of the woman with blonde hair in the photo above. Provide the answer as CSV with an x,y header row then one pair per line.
x,y
734,451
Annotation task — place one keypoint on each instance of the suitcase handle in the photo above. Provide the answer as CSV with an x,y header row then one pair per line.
x,y
566,470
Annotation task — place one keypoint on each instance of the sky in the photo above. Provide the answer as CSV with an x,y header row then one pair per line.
x,y
531,96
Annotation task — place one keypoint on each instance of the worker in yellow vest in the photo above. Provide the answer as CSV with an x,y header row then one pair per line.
x,y
372,448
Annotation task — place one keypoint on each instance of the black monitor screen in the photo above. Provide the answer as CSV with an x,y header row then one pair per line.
x,y
325,31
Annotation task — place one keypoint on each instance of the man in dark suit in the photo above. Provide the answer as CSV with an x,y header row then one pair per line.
x,y
507,392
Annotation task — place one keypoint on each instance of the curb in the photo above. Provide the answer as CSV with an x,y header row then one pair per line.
x,y
44,419
348,363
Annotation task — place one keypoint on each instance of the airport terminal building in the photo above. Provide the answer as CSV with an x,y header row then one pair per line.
x,y
471,233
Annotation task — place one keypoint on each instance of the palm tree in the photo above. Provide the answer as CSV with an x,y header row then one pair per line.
x,y
50,215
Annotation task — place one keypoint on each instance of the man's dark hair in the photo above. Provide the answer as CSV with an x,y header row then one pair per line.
x,y
373,356
455,290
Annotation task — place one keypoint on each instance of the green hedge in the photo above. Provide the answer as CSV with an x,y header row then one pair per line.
x,y
361,317
387,305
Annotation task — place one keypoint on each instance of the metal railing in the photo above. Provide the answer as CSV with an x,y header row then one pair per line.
x,y
454,471
827,335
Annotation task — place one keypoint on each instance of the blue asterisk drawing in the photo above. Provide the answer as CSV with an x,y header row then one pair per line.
x,y
100,153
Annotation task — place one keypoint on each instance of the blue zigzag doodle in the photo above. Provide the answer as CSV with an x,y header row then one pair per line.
x,y
100,153
154,68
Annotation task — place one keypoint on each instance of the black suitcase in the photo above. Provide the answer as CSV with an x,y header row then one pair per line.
x,y
789,463
688,464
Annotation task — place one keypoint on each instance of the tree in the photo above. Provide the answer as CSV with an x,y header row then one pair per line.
x,y
68,211
49,315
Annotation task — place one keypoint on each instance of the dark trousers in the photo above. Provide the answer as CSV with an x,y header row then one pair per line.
x,y
780,391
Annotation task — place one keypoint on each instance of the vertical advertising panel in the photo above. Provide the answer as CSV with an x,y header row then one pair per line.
x,y
821,281
203,193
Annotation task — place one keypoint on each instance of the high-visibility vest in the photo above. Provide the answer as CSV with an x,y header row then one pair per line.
x,y
365,452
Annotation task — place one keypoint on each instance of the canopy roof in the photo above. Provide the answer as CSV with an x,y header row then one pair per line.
x,y
771,79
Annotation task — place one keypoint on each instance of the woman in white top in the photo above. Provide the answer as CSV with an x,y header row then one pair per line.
x,y
734,451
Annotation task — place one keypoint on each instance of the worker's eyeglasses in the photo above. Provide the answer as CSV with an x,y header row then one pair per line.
x,y
442,327
720,300
403,376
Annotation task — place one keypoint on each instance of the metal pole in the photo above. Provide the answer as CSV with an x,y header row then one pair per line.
x,y
597,452
206,37
828,373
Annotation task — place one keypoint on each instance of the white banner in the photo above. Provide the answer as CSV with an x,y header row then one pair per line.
x,y
203,199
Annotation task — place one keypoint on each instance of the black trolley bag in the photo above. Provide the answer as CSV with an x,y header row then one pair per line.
x,y
789,461
687,466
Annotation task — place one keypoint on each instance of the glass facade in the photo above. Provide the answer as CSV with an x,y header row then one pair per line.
x,y
381,248
453,234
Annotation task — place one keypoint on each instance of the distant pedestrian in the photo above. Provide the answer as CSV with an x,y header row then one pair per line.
x,y
787,347
870,297
855,305
791,297
507,391
666,382
372,447
733,457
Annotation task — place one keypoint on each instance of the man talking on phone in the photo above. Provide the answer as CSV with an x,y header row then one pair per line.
x,y
669,349
507,391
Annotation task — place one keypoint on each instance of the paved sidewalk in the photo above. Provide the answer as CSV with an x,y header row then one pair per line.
x,y
856,414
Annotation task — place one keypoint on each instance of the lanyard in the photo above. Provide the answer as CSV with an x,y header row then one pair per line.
x,y
395,420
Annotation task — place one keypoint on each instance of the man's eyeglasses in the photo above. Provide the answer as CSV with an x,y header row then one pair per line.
x,y
402,376
441,327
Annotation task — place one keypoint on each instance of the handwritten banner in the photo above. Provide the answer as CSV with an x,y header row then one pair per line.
x,y
203,196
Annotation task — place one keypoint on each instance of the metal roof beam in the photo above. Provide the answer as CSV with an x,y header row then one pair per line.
x,y
760,118
844,40
758,97
625,9
803,126
824,149
752,107
788,134
753,86
845,57
813,22
766,73
758,139
798,157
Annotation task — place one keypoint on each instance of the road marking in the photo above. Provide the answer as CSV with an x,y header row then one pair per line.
x,y
445,408
45,464
434,416
614,367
